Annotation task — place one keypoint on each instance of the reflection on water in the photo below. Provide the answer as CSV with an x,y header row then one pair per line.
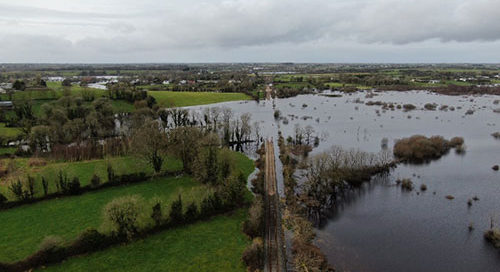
x,y
379,227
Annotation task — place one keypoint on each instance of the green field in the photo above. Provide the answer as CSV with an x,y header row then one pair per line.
x,y
22,229
215,245
9,132
184,99
83,169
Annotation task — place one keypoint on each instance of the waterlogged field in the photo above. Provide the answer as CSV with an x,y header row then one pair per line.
x,y
380,227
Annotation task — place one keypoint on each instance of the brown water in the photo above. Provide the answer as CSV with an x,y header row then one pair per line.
x,y
381,228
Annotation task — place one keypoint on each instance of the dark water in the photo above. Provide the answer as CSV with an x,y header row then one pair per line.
x,y
381,228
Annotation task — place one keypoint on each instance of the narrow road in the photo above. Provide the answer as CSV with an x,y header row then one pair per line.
x,y
273,244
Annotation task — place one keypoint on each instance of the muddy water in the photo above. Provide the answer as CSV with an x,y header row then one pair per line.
x,y
381,228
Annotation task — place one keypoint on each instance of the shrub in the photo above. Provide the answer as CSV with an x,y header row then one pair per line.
x,y
408,107
157,214
493,236
111,173
253,255
495,167
430,106
90,240
3,199
254,225
95,180
74,186
31,187
456,141
496,135
176,215
123,214
45,186
277,114
17,189
192,212
407,184
423,187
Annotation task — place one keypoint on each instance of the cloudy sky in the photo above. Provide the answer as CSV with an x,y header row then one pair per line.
x,y
250,31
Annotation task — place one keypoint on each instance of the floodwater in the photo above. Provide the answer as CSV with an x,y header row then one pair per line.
x,y
379,227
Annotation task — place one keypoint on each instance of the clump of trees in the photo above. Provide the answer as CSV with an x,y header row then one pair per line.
x,y
329,174
419,148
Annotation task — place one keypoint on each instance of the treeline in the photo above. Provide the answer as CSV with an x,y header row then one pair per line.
x,y
306,256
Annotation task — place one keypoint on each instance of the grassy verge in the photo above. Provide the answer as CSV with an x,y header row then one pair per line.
x,y
183,99
22,229
214,245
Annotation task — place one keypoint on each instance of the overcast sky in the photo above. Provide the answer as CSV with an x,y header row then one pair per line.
x,y
250,31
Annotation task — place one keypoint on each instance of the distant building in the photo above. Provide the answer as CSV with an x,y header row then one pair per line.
x,y
6,86
6,105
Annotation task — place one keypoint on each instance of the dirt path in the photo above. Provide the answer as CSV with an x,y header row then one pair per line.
x,y
273,244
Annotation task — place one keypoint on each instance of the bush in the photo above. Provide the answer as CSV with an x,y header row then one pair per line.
x,y
277,114
74,186
123,214
90,240
254,225
17,189
176,215
493,236
45,186
111,173
408,107
430,106
192,212
3,199
456,141
407,184
253,255
157,214
496,135
95,180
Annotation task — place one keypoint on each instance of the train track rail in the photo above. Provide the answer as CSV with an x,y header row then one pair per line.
x,y
273,244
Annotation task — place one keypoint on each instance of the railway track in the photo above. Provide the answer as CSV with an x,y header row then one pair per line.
x,y
273,245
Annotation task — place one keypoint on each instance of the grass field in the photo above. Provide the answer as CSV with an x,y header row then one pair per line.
x,y
83,169
22,229
9,132
7,150
214,245
184,99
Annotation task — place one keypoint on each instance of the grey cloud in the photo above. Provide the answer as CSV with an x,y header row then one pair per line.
x,y
177,30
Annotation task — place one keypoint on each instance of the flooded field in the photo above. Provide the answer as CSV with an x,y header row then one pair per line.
x,y
380,227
